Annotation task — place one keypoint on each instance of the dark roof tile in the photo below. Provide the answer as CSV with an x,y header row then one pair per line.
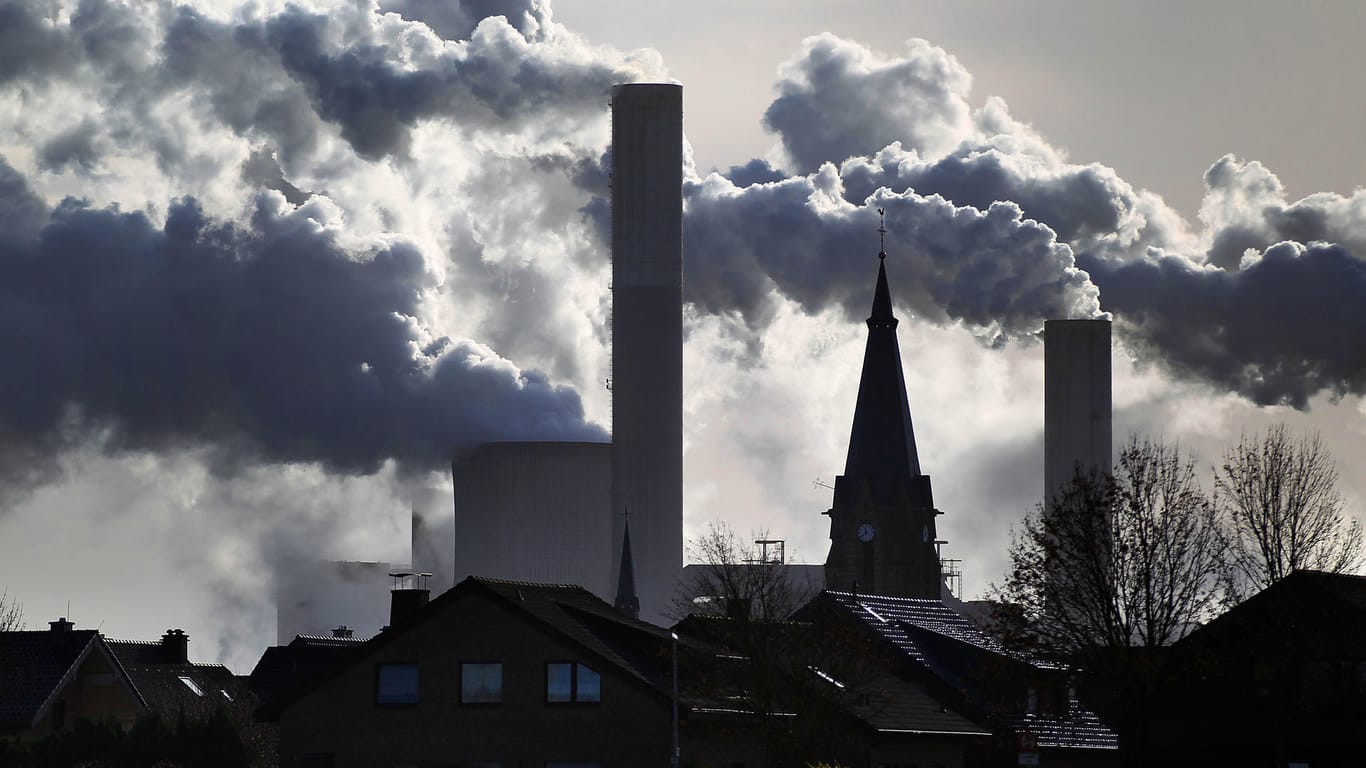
x,y
33,665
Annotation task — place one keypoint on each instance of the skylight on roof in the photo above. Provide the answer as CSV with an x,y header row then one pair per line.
x,y
874,613
827,677
194,687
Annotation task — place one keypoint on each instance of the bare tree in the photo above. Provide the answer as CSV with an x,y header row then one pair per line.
x,y
792,677
11,613
1278,497
1112,570
731,573
1125,561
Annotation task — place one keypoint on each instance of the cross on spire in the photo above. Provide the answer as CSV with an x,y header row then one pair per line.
x,y
882,233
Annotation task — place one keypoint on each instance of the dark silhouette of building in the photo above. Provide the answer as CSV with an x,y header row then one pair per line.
x,y
882,520
491,672
283,667
1278,680
937,663
51,679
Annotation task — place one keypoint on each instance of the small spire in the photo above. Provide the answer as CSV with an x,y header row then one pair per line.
x,y
882,233
628,602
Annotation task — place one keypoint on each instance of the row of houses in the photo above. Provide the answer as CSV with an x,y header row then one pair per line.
x,y
503,673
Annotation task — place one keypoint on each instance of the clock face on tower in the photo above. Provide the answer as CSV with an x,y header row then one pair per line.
x,y
866,532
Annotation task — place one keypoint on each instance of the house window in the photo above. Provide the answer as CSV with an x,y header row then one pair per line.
x,y
481,683
567,682
396,684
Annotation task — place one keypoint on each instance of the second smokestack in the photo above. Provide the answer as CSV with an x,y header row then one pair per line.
x,y
1077,407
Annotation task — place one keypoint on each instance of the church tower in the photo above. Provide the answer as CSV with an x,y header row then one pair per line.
x,y
882,530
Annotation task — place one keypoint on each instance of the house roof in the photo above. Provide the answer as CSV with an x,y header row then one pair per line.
x,y
893,705
1302,602
283,667
568,610
874,695
582,617
957,652
35,666
894,617
169,684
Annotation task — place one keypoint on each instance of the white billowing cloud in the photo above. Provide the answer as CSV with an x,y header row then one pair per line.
x,y
837,99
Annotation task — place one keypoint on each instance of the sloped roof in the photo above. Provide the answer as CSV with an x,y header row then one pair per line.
x,y
1078,728
587,620
568,610
953,649
283,667
893,705
875,696
892,618
34,665
164,681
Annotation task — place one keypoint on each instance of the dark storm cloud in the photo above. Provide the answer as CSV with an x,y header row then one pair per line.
x,y
29,48
267,342
74,147
990,269
1287,326
1078,202
493,83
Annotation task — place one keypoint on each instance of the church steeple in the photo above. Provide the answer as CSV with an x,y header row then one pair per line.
x,y
627,601
882,519
882,441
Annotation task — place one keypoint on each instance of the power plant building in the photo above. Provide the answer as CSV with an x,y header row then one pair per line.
x,y
536,511
1077,401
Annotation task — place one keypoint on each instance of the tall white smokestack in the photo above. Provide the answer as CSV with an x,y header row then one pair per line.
x,y
1077,421
647,336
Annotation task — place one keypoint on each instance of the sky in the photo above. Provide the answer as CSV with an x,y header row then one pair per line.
x,y
265,266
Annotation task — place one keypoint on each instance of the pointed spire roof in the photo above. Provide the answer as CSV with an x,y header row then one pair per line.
x,y
628,602
882,441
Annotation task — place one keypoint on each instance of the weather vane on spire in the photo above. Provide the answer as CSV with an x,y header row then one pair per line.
x,y
881,233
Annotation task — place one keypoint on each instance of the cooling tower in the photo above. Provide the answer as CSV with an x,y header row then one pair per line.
x,y
536,511
647,336
1076,431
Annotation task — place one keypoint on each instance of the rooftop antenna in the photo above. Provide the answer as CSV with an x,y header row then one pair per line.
x,y
881,233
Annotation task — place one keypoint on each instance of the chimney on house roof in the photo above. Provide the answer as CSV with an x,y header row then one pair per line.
x,y
409,595
61,625
175,646
342,631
